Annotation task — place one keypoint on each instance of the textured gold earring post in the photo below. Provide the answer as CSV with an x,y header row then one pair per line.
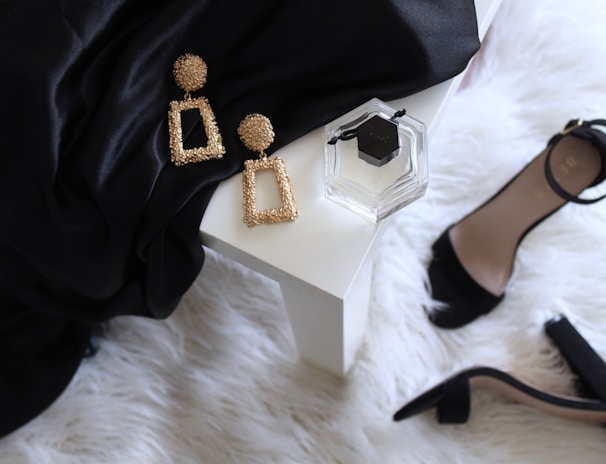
x,y
190,73
256,132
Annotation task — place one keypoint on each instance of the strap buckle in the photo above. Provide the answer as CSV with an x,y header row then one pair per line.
x,y
572,126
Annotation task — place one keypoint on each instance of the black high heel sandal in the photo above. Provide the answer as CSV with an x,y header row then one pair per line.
x,y
473,259
452,398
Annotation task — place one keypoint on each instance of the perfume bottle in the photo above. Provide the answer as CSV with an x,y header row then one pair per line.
x,y
375,160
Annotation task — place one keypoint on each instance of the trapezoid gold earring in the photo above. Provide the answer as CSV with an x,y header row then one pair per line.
x,y
190,73
257,134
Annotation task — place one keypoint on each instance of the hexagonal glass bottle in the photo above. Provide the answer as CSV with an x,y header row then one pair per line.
x,y
375,160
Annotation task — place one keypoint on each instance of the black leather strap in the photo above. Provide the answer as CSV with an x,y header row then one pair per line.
x,y
583,131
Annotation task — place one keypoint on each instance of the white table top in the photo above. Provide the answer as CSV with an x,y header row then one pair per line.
x,y
327,243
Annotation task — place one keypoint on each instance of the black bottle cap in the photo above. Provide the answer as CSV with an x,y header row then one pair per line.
x,y
378,141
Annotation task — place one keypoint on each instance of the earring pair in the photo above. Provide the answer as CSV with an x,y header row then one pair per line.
x,y
255,132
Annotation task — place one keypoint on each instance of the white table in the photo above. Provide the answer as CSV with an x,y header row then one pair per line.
x,y
323,260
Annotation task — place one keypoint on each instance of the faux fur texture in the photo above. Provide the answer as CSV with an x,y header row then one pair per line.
x,y
219,381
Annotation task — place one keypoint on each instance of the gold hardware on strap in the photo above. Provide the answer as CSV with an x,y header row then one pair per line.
x,y
567,130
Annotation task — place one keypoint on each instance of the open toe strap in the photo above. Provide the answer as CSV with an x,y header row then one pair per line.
x,y
583,130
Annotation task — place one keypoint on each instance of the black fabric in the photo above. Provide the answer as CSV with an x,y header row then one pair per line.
x,y
96,222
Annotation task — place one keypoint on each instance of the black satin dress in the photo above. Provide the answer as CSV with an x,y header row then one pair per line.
x,y
95,222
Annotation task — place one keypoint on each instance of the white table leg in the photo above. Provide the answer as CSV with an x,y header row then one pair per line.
x,y
329,329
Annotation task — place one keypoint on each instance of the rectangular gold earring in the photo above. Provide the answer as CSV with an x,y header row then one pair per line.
x,y
287,212
256,132
190,74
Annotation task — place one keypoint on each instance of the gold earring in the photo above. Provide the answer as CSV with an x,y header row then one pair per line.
x,y
190,74
257,134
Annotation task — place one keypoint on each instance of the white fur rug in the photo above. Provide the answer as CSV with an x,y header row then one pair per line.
x,y
219,381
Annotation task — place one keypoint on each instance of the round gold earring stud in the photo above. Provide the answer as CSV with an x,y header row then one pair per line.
x,y
256,133
190,72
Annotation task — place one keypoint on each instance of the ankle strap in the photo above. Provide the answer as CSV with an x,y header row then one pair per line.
x,y
583,130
